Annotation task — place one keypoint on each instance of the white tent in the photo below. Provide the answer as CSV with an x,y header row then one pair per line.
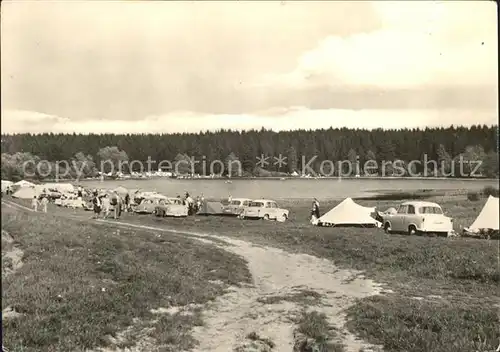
x,y
488,217
24,183
60,187
27,193
349,213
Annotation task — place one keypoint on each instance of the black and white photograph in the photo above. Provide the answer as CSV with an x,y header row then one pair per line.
x,y
250,176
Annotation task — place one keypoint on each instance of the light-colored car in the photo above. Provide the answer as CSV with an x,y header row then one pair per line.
x,y
236,206
171,207
265,209
148,205
417,217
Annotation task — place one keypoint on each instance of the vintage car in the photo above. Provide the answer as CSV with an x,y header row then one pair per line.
x,y
148,205
417,217
70,202
171,207
264,209
236,206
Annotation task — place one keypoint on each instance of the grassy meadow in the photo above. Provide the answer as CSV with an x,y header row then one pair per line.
x,y
445,291
81,284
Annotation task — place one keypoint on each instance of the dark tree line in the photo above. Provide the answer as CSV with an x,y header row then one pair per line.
x,y
441,144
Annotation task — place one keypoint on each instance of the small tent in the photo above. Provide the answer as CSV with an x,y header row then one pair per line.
x,y
60,187
211,208
121,191
348,213
488,217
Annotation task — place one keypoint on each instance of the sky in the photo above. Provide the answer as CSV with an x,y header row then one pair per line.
x,y
163,67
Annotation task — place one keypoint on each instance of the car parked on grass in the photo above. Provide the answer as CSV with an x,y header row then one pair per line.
x,y
236,206
171,207
265,209
418,217
148,205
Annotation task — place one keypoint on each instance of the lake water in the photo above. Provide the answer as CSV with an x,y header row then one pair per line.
x,y
289,188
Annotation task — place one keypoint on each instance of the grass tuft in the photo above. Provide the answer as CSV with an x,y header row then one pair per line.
x,y
314,333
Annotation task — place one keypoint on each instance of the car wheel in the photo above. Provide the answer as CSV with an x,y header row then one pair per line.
x,y
412,230
283,217
266,217
387,228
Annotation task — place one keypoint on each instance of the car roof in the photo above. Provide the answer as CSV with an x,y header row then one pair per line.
x,y
240,199
263,200
421,204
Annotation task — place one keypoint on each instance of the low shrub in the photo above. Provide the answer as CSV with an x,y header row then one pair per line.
x,y
490,191
473,196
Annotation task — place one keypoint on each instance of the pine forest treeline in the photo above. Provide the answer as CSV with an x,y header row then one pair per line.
x,y
327,144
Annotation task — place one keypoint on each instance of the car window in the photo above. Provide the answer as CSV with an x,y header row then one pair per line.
x,y
411,209
402,209
235,202
257,204
430,210
274,205
246,203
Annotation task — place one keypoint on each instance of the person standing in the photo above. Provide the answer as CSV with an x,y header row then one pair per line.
x,y
316,208
34,203
44,202
105,206
127,202
189,203
97,205
117,203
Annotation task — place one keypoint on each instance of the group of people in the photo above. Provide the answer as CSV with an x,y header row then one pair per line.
x,y
193,205
43,202
102,204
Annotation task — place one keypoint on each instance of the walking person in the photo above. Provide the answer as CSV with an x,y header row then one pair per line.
x,y
44,202
34,203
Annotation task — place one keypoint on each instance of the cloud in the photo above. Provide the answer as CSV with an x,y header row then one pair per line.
x,y
276,119
419,44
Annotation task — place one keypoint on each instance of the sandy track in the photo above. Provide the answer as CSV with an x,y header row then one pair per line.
x,y
241,311
278,273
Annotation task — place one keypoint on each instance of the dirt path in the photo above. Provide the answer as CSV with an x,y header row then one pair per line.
x,y
278,273
256,308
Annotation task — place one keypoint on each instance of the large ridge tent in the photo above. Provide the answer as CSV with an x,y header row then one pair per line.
x,y
348,213
24,183
488,217
27,193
